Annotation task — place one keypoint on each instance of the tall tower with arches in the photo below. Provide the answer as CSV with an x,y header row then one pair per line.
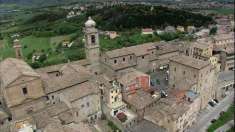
x,y
92,46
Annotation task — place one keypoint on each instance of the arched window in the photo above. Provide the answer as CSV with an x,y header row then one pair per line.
x,y
93,39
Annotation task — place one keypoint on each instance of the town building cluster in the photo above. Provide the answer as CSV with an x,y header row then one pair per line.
x,y
115,85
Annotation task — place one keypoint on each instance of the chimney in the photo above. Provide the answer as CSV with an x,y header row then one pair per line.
x,y
18,50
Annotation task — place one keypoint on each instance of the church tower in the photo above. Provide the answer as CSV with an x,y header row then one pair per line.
x,y
92,47
18,50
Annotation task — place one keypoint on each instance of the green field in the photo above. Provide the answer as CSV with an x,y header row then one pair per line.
x,y
50,46
223,119
223,11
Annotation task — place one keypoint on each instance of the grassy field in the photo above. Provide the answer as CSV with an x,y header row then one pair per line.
x,y
46,45
223,119
31,43
223,11
6,49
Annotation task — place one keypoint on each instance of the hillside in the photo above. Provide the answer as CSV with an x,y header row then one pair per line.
x,y
139,16
42,30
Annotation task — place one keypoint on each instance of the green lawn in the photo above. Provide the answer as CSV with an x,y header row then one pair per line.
x,y
223,119
225,11
32,43
6,49
47,45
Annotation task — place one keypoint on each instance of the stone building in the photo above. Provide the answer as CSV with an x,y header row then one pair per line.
x,y
21,88
226,57
64,91
71,83
177,112
218,48
222,40
146,58
111,93
186,72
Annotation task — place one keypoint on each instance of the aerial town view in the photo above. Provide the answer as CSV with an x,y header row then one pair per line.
x,y
117,66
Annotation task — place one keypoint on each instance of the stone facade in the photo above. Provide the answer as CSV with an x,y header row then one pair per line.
x,y
175,113
186,72
146,58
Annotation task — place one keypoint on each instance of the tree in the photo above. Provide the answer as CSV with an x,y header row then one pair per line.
x,y
213,31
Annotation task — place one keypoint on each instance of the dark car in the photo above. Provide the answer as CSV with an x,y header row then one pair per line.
x,y
221,113
211,104
214,120
216,100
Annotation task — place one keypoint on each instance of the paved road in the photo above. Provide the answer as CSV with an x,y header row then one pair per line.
x,y
225,127
205,117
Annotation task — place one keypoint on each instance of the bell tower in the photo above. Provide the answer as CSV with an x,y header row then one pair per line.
x,y
92,47
18,51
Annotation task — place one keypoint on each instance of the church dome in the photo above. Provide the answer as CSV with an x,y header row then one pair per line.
x,y
90,22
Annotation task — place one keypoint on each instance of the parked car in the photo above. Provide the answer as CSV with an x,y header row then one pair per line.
x,y
211,104
221,113
217,101
163,94
214,120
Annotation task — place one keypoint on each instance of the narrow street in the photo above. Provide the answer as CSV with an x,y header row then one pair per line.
x,y
205,116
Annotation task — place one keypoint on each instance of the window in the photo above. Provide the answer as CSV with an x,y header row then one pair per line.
x,y
175,69
130,57
195,76
142,57
82,105
184,72
115,61
25,91
123,59
92,39
88,104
